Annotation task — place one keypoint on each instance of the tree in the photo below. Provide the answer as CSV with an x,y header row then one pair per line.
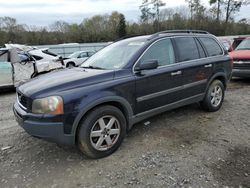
x,y
151,9
233,6
191,7
122,26
197,13
218,11
146,11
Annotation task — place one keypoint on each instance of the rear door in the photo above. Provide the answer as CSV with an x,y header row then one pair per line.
x,y
162,86
196,68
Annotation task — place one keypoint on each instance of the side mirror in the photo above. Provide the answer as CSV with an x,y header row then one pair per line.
x,y
147,65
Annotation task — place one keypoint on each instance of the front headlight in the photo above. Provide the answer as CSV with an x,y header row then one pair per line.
x,y
48,105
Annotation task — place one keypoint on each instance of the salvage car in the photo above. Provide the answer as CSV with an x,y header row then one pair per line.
x,y
7,59
19,63
94,105
77,58
241,58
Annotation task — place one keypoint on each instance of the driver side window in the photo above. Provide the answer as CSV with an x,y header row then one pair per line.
x,y
162,51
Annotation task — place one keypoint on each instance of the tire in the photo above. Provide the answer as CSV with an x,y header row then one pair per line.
x,y
70,65
95,138
214,97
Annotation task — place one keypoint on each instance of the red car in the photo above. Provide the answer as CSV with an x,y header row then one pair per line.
x,y
241,58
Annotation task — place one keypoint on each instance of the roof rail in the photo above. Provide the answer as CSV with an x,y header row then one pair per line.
x,y
127,37
178,31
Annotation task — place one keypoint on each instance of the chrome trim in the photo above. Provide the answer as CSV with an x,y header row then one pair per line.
x,y
208,66
167,91
179,63
176,73
19,103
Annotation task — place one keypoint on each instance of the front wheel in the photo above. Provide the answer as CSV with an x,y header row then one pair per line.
x,y
101,132
214,97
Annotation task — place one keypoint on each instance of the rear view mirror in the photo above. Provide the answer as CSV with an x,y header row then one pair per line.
x,y
147,65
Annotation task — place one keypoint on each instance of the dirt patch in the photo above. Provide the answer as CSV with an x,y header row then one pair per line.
x,y
185,147
234,170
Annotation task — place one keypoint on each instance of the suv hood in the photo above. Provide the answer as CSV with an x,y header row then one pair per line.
x,y
64,80
240,54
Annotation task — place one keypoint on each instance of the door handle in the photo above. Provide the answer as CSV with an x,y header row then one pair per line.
x,y
208,65
176,73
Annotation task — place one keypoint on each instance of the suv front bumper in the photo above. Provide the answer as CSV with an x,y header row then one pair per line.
x,y
40,126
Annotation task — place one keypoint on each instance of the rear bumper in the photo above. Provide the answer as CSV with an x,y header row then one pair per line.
x,y
241,73
39,127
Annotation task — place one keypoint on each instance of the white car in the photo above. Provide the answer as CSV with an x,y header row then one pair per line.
x,y
77,58
45,59
19,63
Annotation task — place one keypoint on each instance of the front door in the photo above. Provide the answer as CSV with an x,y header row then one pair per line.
x,y
162,86
6,70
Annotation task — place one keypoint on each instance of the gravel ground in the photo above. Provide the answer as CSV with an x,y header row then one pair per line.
x,y
185,147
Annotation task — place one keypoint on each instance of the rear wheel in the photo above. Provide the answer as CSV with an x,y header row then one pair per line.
x,y
214,96
101,132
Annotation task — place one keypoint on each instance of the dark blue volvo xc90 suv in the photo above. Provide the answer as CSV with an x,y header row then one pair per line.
x,y
93,106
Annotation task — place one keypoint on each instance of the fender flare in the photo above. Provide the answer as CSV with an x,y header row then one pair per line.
x,y
218,74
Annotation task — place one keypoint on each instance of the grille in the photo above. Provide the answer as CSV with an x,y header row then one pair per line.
x,y
242,66
22,100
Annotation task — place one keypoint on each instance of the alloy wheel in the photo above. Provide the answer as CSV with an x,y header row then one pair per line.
x,y
105,133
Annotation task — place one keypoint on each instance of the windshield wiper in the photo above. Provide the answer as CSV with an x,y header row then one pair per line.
x,y
93,67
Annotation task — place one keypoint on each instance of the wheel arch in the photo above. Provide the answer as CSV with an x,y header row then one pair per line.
x,y
218,76
118,102
70,62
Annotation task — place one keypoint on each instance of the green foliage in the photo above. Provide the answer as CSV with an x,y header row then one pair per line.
x,y
104,28
122,26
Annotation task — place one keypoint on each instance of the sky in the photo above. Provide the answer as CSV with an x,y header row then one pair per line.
x,y
45,12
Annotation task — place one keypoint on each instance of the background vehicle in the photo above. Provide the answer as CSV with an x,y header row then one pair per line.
x,y
77,58
226,43
19,63
241,58
126,82
7,59
236,42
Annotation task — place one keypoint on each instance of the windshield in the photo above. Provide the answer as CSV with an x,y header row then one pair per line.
x,y
244,45
74,55
115,55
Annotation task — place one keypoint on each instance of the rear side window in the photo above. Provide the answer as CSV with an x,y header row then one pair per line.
x,y
212,47
201,50
186,48
162,51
